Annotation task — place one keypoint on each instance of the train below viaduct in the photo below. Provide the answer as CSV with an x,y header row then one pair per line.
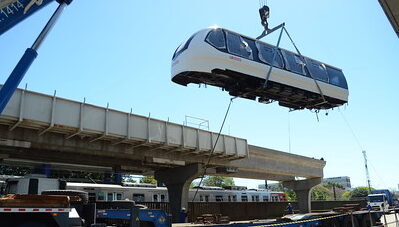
x,y
38,128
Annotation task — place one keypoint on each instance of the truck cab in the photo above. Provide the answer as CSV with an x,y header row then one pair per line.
x,y
379,201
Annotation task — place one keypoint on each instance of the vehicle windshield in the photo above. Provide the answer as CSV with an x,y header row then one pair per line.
x,y
376,198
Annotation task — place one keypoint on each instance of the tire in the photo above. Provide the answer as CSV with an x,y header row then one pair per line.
x,y
81,194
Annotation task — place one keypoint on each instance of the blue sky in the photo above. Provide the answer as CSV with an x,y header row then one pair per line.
x,y
120,52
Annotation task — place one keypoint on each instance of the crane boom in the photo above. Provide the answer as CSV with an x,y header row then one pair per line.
x,y
367,170
14,11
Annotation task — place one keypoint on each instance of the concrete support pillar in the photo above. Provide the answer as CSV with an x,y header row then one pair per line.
x,y
302,190
178,180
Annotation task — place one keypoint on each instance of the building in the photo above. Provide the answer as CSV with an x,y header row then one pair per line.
x,y
344,181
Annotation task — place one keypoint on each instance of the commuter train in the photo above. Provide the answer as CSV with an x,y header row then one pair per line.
x,y
239,65
151,193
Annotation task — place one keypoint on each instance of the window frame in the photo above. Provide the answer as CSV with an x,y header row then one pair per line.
x,y
224,37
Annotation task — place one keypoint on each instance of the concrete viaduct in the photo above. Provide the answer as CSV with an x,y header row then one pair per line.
x,y
37,128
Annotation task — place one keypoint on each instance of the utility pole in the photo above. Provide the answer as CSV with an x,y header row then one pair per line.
x,y
367,170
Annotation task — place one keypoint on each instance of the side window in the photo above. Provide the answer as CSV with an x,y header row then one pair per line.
x,y
216,38
201,198
294,63
206,198
138,197
234,198
110,196
336,77
163,198
155,198
244,198
265,198
238,46
317,70
33,186
118,196
266,52
219,198
101,196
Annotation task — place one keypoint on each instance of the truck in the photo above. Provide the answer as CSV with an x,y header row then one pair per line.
x,y
35,200
381,199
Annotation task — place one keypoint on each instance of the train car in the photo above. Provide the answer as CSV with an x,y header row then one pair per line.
x,y
240,64
148,193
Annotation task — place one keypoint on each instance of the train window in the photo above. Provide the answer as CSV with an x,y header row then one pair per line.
x,y
138,197
101,196
294,62
265,198
183,47
219,198
317,69
206,198
244,198
92,197
234,198
216,38
229,198
238,46
266,55
118,196
336,77
110,196
163,198
155,198
201,198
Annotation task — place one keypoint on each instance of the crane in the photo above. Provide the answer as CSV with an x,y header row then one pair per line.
x,y
11,13
367,170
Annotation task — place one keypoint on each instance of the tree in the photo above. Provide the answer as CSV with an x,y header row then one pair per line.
x,y
218,181
333,186
148,180
320,192
359,193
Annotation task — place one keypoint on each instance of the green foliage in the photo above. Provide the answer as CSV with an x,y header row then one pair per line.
x,y
14,171
346,195
359,193
332,185
218,181
320,192
148,180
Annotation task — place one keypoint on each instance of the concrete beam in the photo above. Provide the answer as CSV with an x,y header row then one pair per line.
x,y
178,181
302,190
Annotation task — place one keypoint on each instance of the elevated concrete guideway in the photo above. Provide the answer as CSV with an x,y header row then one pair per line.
x,y
49,129
38,128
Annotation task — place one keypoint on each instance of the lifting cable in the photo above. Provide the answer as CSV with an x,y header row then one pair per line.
x,y
264,12
214,147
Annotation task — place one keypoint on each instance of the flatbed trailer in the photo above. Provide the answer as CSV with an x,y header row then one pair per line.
x,y
330,219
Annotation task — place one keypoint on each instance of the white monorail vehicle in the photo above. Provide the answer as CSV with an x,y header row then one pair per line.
x,y
140,193
239,65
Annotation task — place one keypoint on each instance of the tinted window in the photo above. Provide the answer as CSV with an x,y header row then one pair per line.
x,y
336,77
162,198
216,38
110,196
118,196
101,196
244,198
238,46
183,47
293,62
138,197
33,186
266,54
219,198
317,70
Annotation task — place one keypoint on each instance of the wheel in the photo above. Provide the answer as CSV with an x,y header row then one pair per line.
x,y
82,194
